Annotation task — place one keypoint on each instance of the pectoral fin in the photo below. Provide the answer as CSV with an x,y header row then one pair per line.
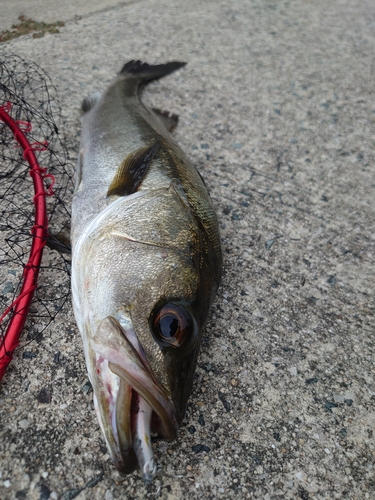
x,y
132,170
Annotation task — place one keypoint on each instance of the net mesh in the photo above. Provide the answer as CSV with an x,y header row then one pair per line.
x,y
29,99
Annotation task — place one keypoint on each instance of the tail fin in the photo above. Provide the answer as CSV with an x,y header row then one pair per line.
x,y
144,72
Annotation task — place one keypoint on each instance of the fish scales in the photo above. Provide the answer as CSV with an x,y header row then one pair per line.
x,y
146,264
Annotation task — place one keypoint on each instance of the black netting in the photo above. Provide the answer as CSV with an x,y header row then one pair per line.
x,y
29,97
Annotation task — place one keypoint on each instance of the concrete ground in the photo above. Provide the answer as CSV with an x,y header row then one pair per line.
x,y
277,111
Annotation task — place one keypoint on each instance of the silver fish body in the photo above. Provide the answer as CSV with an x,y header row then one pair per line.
x,y
146,264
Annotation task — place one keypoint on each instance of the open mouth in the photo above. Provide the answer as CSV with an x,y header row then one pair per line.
x,y
129,400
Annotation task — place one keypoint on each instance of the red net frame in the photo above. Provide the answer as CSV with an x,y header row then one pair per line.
x,y
20,306
31,144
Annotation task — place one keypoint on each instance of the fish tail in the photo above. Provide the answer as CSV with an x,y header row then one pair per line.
x,y
143,72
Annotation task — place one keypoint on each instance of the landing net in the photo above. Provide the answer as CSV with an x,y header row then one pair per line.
x,y
35,190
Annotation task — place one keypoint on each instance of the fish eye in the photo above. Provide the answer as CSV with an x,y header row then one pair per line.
x,y
172,324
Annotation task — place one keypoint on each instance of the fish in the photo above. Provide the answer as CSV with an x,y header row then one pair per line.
x,y
146,266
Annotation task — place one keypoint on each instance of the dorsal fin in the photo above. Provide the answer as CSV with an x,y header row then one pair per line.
x,y
169,120
130,173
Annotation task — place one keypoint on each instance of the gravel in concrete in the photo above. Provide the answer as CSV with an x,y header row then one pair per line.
x,y
277,111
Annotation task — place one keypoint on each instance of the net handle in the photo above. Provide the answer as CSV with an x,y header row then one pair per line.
x,y
21,305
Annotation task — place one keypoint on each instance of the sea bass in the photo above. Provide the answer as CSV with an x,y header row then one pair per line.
x,y
146,264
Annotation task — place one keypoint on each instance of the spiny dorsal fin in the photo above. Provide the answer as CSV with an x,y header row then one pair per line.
x,y
130,173
146,72
169,120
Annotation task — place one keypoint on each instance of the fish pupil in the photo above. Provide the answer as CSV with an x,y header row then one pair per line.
x,y
171,325
168,326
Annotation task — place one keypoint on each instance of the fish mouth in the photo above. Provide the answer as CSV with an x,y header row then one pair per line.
x,y
130,402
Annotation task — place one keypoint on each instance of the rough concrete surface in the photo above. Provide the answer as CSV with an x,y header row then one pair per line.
x,y
50,11
277,111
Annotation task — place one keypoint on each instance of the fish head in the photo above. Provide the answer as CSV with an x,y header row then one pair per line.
x,y
147,300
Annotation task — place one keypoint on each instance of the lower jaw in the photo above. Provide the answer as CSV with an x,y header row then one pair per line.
x,y
128,463
139,454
